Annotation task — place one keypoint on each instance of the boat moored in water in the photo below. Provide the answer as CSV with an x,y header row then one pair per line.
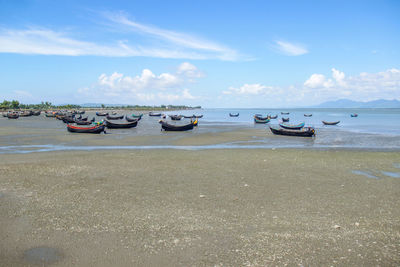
x,y
292,126
233,115
304,132
121,125
330,122
95,129
172,127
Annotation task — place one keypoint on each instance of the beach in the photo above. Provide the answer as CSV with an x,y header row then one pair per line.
x,y
215,207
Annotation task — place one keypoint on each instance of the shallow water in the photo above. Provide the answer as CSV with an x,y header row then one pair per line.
x,y
35,134
391,174
365,173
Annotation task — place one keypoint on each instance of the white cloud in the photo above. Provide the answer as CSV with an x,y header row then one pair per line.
x,y
41,41
143,88
179,39
290,49
318,88
248,89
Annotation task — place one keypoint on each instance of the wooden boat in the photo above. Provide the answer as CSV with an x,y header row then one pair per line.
x,y
137,116
273,117
86,122
260,117
101,114
330,122
13,115
114,117
36,112
50,115
132,119
307,115
175,117
121,125
68,119
198,116
285,113
189,117
292,127
260,120
153,114
285,119
304,132
354,115
80,112
26,113
171,127
90,129
233,115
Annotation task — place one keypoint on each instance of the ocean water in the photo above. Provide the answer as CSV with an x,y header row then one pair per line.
x,y
373,129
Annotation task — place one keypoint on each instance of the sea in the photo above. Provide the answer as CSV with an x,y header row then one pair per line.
x,y
373,129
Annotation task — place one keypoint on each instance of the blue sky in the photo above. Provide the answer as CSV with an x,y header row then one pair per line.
x,y
208,53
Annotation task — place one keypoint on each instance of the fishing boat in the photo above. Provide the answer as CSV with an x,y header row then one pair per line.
x,y
101,114
285,119
354,115
307,115
260,120
136,116
260,117
114,117
285,113
81,122
130,119
121,125
189,117
51,115
13,115
175,117
233,115
273,117
330,122
304,132
89,129
154,114
25,113
291,126
36,112
172,127
198,116
68,119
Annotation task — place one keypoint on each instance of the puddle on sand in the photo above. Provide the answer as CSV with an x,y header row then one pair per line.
x,y
42,255
366,174
391,174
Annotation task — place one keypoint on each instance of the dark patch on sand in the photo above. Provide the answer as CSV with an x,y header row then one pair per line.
x,y
42,255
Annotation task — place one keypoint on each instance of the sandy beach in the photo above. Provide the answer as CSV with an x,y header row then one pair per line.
x,y
258,207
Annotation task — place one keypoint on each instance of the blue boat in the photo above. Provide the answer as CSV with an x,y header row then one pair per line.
x,y
292,127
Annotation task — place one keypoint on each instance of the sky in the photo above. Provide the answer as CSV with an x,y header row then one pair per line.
x,y
242,54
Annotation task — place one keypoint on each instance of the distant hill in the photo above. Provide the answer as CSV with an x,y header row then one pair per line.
x,y
346,103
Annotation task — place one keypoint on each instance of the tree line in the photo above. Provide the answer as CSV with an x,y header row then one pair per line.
x,y
15,104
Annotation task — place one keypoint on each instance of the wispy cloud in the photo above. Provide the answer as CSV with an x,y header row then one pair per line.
x,y
290,49
43,41
183,40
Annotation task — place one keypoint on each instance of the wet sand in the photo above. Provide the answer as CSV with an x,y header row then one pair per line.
x,y
242,207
